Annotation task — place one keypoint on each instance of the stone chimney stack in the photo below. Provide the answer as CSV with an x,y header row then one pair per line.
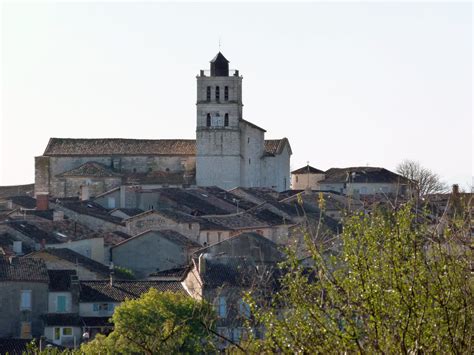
x,y
455,189
202,264
42,202
58,216
85,194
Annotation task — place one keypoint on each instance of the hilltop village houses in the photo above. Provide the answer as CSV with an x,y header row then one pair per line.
x,y
108,219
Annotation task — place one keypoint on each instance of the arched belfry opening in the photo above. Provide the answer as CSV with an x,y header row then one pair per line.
x,y
219,65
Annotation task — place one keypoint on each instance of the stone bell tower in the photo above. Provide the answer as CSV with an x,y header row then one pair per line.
x,y
219,112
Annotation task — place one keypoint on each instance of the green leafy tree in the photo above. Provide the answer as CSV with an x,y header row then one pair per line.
x,y
396,285
157,323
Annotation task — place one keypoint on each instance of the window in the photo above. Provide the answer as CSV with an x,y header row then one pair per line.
x,y
218,93
226,93
103,307
207,237
25,302
226,119
190,226
57,333
208,120
244,309
111,202
236,334
208,93
248,140
67,331
296,178
61,304
221,307
219,236
249,161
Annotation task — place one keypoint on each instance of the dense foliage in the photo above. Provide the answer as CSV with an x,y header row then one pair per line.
x,y
157,323
395,285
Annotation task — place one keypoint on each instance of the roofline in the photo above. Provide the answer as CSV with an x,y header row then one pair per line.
x,y
252,125
148,231
107,192
235,236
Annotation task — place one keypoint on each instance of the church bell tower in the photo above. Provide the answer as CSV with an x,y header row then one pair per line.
x,y
219,111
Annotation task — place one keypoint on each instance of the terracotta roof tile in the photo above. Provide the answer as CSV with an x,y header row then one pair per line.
x,y
23,269
119,146
102,291
307,169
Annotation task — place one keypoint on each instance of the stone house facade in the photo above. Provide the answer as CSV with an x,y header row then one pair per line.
x,y
153,251
23,297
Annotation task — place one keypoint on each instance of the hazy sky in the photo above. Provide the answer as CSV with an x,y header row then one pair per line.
x,y
348,84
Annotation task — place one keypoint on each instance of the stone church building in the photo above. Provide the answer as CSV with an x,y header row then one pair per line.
x,y
228,151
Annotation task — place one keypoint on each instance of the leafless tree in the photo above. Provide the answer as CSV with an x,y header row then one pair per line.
x,y
424,180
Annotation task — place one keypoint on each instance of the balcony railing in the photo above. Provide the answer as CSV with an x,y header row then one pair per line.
x,y
232,72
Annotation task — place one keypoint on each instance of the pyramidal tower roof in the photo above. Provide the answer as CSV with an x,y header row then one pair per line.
x,y
219,58
219,65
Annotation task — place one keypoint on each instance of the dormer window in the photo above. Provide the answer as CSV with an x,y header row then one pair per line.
x,y
226,120
226,93
218,93
208,93
208,120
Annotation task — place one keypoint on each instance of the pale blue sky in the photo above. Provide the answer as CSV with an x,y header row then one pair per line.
x,y
348,83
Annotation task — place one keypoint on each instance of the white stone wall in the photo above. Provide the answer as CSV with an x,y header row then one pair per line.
x,y
303,181
92,248
47,168
368,188
52,301
276,171
252,149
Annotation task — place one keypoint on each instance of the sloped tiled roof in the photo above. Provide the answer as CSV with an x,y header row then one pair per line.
x,y
252,125
364,174
275,146
177,274
23,269
74,258
92,209
119,146
92,169
24,201
102,291
16,190
170,235
307,169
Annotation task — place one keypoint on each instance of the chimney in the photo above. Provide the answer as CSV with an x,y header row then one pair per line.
x,y
202,264
58,216
84,195
42,202
455,189
17,247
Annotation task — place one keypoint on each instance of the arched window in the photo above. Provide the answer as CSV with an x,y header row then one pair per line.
x,y
226,93
218,93
208,93
226,119
208,120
